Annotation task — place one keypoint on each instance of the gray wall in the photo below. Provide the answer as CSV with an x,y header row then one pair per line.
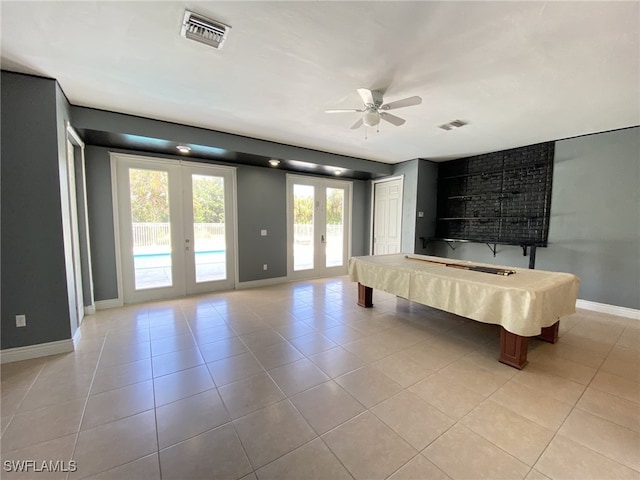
x,y
595,219
419,194
261,205
33,262
409,202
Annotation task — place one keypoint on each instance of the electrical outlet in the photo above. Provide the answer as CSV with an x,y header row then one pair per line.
x,y
264,267
21,320
263,233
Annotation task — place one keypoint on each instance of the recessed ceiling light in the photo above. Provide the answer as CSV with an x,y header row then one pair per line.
x,y
183,149
274,163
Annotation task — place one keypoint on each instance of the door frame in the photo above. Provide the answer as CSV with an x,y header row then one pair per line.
x,y
373,208
328,182
233,233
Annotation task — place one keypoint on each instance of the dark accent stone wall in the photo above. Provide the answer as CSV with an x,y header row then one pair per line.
x,y
500,197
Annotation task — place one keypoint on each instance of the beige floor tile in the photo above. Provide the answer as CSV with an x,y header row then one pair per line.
x,y
615,385
168,329
419,468
565,458
147,468
43,424
126,353
312,343
460,453
532,404
450,398
630,337
464,372
59,449
536,475
11,397
326,406
513,433
610,407
311,461
402,369
342,334
297,376
175,361
564,368
276,355
563,350
220,349
272,432
368,448
189,417
429,355
109,378
243,326
115,404
171,344
369,350
185,383
24,371
336,362
623,362
368,385
56,389
113,444
294,329
216,454
262,338
618,443
4,423
232,369
213,334
250,394
413,419
542,380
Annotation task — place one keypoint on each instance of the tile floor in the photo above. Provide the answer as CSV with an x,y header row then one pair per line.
x,y
295,381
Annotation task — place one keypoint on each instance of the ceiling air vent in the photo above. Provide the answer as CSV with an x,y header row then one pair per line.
x,y
204,30
451,125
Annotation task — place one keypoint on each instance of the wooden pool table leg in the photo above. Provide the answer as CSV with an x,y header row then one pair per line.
x,y
513,349
550,334
365,296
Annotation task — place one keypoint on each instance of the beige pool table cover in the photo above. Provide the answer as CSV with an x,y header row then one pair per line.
x,y
523,303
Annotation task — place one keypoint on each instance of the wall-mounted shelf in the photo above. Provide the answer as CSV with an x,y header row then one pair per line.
x,y
497,198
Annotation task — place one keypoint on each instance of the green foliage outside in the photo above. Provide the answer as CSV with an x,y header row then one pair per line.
x,y
303,208
150,197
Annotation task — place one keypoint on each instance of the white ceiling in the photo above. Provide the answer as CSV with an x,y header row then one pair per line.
x,y
517,72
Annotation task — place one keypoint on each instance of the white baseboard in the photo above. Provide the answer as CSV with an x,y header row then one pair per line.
x,y
35,351
90,310
610,309
112,303
261,283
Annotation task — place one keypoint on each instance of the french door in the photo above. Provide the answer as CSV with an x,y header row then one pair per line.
x,y
176,223
319,226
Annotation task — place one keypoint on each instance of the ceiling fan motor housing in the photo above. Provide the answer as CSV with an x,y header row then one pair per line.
x,y
371,117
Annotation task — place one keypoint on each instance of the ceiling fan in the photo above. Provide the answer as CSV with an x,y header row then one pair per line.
x,y
374,109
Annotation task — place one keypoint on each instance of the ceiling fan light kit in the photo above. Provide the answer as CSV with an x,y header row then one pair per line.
x,y
374,109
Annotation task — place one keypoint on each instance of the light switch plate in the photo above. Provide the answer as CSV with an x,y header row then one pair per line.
x,y
263,233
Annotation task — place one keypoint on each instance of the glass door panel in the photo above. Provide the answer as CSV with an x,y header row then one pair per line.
x,y
209,229
150,228
334,228
303,227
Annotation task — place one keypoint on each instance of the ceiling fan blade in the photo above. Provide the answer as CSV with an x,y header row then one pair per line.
x,y
405,102
397,121
366,95
358,124
343,110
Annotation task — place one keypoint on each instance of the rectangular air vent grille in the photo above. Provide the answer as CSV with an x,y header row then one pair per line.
x,y
204,30
452,124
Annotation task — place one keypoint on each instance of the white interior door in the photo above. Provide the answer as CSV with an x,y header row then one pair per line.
x,y
319,226
177,224
387,216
